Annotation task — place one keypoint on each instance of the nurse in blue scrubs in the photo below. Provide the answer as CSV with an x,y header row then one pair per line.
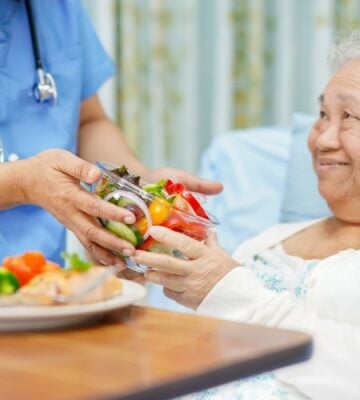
x,y
49,147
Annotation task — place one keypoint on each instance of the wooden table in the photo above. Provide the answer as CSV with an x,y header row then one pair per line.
x,y
141,353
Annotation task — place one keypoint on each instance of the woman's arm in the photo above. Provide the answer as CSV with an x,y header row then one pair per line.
x,y
12,179
51,180
331,373
101,139
211,282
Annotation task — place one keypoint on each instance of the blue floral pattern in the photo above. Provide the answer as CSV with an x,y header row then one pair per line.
x,y
278,272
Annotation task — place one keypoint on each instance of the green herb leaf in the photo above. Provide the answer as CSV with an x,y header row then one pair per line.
x,y
156,188
124,173
75,263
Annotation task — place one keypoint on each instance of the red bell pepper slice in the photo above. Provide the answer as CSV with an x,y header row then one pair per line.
x,y
174,188
150,241
195,205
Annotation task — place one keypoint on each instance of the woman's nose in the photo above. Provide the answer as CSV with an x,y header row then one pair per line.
x,y
328,138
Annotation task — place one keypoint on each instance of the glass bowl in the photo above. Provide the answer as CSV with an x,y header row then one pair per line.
x,y
149,209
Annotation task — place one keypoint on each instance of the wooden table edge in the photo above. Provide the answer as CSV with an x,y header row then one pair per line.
x,y
219,376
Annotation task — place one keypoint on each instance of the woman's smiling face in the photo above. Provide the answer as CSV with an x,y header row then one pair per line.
x,y
335,142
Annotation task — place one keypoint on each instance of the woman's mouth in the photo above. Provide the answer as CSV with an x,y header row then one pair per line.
x,y
329,163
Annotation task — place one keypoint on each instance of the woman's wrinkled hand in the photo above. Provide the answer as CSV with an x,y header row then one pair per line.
x,y
187,281
51,180
193,183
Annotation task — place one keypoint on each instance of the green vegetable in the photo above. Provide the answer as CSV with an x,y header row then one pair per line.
x,y
8,282
123,202
156,188
106,189
122,231
139,237
161,248
124,173
75,263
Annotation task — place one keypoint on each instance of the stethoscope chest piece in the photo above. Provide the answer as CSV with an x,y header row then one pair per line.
x,y
45,89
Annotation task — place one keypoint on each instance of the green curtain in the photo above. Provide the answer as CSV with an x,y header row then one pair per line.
x,y
192,69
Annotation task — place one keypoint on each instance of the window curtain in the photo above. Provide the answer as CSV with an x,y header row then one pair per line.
x,y
192,69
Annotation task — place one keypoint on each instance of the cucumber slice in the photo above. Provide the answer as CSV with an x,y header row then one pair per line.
x,y
122,231
123,202
161,248
139,238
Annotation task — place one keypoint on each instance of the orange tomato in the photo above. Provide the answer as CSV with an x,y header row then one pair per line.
x,y
141,225
159,211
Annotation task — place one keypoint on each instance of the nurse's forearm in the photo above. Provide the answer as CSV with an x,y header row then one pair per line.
x,y
103,140
12,176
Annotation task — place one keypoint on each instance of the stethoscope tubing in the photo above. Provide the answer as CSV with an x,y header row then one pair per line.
x,y
34,38
44,90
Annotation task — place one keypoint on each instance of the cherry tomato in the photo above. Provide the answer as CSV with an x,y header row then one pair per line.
x,y
159,211
141,225
190,228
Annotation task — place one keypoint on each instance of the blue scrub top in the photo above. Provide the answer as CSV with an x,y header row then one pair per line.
x,y
72,53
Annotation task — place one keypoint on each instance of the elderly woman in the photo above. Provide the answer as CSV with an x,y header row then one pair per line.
x,y
303,276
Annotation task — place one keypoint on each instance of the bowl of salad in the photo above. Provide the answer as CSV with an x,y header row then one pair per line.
x,y
164,203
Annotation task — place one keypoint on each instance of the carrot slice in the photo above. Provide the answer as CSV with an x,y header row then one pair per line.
x,y
35,260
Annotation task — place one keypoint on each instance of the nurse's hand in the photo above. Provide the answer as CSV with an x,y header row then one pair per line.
x,y
186,281
51,180
193,183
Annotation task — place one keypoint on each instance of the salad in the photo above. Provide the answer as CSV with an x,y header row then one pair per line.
x,y
164,203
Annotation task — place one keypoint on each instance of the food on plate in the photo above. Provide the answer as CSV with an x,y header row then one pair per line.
x,y
49,282
24,267
164,203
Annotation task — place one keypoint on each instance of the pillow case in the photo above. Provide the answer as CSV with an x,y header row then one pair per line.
x,y
251,163
302,200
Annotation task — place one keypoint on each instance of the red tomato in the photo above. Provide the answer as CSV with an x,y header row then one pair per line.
x,y
190,228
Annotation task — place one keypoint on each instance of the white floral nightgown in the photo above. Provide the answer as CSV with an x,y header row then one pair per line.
x,y
277,271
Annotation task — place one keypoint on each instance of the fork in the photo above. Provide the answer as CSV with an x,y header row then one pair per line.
x,y
89,287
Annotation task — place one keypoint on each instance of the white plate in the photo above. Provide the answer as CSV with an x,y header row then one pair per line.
x,y
20,318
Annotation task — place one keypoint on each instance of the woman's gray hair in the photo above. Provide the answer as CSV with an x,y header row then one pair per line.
x,y
345,49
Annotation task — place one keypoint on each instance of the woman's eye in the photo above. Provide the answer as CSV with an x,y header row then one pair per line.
x,y
350,116
322,115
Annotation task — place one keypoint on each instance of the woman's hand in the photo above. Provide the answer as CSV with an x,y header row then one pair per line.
x,y
186,281
51,180
193,183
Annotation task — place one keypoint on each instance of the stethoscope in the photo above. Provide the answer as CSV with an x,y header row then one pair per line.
x,y
44,90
